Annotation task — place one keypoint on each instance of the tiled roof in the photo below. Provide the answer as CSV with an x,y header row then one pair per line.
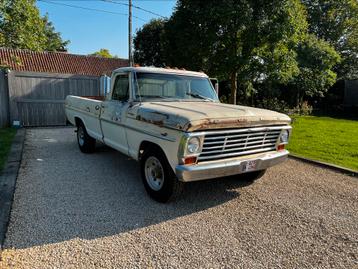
x,y
58,62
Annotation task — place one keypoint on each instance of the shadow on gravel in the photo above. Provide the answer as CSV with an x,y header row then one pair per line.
x,y
97,195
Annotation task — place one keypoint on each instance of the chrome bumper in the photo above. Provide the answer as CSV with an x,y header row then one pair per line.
x,y
234,166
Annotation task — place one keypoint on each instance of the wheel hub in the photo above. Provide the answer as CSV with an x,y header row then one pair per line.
x,y
81,136
154,173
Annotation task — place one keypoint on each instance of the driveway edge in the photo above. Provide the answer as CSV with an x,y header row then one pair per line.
x,y
8,181
334,167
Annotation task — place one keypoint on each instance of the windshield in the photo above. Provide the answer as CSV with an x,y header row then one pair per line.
x,y
173,87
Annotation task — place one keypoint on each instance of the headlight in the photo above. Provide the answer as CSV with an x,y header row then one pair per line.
x,y
284,136
193,145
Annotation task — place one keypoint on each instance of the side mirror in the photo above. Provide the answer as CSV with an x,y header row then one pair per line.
x,y
217,88
215,83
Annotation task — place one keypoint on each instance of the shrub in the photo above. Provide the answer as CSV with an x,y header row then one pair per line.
x,y
303,109
272,104
224,99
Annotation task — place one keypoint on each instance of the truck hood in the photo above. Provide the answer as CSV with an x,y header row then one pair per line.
x,y
193,116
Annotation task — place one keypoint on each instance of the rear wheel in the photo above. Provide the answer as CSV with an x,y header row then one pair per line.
x,y
158,178
86,143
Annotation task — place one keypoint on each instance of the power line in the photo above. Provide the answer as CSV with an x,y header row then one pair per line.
x,y
137,7
87,8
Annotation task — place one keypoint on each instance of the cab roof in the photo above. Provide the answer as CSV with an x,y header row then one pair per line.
x,y
159,70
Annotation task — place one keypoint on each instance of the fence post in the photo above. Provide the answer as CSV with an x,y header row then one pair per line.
x,y
4,100
13,109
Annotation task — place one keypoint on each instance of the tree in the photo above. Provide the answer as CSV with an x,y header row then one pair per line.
x,y
103,53
316,59
254,43
54,41
336,21
148,49
22,27
244,40
185,42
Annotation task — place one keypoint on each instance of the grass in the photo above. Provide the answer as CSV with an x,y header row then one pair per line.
x,y
6,137
326,139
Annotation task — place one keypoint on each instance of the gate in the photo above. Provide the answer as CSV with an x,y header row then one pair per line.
x,y
37,99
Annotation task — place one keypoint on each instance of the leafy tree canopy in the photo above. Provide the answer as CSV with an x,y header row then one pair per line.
x,y
22,27
103,53
243,40
336,21
148,45
316,59
253,42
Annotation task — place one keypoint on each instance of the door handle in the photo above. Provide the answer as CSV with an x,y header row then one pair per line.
x,y
96,107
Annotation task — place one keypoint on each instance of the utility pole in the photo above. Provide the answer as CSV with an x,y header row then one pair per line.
x,y
130,57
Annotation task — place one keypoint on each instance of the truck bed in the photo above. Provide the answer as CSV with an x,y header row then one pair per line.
x,y
83,106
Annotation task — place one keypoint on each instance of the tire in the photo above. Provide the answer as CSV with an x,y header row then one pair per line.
x,y
86,143
252,176
158,178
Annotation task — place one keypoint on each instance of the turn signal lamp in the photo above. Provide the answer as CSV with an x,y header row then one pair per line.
x,y
190,160
281,147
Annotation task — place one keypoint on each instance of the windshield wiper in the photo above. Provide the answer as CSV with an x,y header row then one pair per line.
x,y
155,96
199,96
158,97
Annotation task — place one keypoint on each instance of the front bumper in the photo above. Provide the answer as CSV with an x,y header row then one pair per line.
x,y
228,167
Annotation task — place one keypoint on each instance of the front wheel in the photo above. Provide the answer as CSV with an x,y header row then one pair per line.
x,y
158,178
86,143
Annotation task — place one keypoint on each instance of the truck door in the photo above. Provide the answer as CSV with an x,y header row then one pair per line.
x,y
113,114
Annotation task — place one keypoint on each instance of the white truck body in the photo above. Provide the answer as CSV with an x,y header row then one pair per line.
x,y
231,139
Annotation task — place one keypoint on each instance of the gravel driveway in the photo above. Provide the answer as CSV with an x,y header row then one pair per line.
x,y
91,211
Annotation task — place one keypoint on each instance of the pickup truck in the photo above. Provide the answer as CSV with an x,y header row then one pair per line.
x,y
173,123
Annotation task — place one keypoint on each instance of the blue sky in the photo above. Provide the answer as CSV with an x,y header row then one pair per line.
x,y
90,31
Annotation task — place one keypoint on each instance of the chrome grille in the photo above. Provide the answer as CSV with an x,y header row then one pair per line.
x,y
232,143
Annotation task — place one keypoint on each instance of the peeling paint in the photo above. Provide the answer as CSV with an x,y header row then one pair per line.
x,y
180,116
208,124
160,119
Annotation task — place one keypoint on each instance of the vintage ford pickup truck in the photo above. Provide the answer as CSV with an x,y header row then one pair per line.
x,y
172,122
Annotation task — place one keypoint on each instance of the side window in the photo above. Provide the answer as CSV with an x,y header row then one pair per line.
x,y
121,88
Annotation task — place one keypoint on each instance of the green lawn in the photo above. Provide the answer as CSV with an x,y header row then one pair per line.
x,y
326,139
6,136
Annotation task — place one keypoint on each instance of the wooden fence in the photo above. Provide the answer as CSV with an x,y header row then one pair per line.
x,y
37,99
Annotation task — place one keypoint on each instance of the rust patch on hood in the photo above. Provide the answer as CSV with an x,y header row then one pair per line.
x,y
161,119
174,117
155,118
207,124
